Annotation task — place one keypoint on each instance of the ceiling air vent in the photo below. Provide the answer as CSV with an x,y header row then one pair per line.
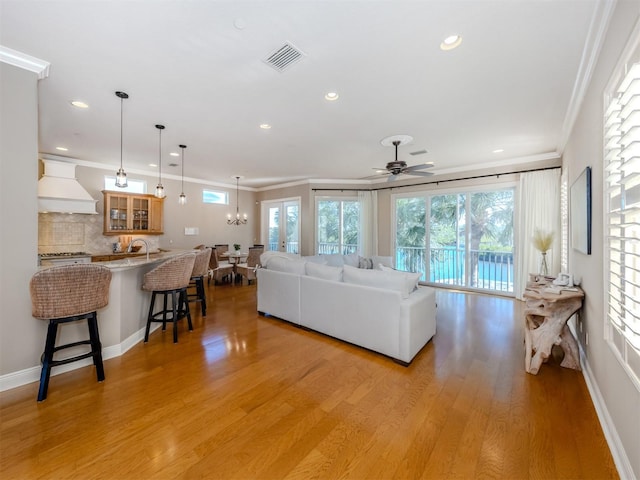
x,y
284,57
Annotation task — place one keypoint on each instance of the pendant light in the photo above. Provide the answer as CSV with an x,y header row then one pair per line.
x,y
237,221
183,198
121,176
159,188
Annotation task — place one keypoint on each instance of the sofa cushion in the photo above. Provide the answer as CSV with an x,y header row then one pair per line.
x,y
411,278
266,257
334,259
389,280
351,260
287,265
325,272
380,260
320,259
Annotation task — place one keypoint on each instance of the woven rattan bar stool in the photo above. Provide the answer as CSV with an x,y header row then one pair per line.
x,y
200,271
66,294
170,278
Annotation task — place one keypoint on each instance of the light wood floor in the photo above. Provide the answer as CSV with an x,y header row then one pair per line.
x,y
251,397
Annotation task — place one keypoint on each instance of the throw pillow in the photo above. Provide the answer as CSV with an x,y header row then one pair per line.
x,y
365,262
266,257
325,272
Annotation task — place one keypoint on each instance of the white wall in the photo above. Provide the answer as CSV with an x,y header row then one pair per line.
x,y
21,336
621,400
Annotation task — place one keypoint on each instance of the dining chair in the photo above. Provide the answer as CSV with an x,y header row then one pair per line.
x,y
219,272
248,270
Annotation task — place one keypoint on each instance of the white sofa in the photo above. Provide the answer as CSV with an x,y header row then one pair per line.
x,y
377,310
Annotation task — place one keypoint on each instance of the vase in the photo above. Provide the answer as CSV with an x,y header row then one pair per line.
x,y
544,268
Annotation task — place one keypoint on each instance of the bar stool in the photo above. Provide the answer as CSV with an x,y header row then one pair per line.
x,y
170,278
64,294
200,270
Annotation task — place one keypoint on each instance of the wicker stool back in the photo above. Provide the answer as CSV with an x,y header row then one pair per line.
x,y
200,270
66,294
170,278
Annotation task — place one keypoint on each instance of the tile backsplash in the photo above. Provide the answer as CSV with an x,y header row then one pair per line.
x,y
63,232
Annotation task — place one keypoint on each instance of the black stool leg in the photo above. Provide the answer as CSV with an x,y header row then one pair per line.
x,y
164,312
47,358
96,347
149,317
201,295
183,293
174,305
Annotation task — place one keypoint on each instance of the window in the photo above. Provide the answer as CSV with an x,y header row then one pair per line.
x,y
337,226
210,196
622,220
468,241
133,186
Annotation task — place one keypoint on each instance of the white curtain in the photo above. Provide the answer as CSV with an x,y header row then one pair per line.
x,y
539,208
368,242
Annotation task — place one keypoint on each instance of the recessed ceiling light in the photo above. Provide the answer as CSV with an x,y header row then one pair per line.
x,y
153,164
498,150
451,42
264,126
174,154
331,96
79,104
62,149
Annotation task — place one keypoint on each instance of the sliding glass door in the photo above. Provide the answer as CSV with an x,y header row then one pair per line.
x,y
467,241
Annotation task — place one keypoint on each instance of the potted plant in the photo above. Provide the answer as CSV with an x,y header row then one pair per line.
x,y
236,246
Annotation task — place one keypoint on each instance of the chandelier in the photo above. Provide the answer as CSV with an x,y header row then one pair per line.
x,y
237,220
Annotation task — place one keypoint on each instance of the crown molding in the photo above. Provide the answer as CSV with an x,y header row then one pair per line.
x,y
24,61
598,27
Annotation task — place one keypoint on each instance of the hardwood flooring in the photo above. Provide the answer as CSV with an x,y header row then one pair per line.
x,y
251,397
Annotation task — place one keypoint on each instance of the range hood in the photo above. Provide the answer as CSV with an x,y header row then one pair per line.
x,y
60,191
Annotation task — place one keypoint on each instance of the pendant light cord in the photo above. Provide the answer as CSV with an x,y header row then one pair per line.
x,y
121,120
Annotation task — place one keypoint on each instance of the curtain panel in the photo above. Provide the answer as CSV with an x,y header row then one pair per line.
x,y
539,207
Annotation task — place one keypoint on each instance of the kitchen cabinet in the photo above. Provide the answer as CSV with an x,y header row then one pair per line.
x,y
128,213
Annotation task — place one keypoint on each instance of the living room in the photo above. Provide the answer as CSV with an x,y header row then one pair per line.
x,y
613,388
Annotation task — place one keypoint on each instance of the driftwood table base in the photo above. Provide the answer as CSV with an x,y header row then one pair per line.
x,y
546,316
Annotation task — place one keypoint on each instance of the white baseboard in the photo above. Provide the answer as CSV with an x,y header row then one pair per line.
x,y
618,453
32,374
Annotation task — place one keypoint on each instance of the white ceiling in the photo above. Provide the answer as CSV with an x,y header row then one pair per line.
x,y
511,84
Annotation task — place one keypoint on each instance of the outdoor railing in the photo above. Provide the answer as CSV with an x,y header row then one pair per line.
x,y
490,270
290,247
332,248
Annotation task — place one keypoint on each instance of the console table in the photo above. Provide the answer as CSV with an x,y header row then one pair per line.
x,y
546,315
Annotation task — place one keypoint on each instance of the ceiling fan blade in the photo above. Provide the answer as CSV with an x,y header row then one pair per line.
x,y
418,174
369,177
413,168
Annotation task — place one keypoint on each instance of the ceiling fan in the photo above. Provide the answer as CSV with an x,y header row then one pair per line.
x,y
399,167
